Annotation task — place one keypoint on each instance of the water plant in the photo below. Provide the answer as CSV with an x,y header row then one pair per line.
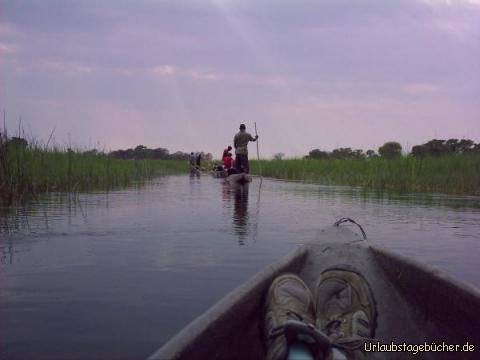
x,y
29,169
450,174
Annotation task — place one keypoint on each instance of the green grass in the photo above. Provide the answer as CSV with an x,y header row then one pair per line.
x,y
452,174
34,169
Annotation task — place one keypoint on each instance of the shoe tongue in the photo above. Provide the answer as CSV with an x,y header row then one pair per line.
x,y
335,298
285,293
343,298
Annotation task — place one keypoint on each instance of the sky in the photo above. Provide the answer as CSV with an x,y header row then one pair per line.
x,y
184,74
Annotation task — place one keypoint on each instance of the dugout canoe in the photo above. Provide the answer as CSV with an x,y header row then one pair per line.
x,y
194,171
241,178
416,304
219,173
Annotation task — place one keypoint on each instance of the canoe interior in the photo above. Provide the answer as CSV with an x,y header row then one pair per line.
x,y
415,304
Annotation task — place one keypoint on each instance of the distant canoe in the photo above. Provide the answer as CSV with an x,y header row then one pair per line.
x,y
239,178
219,174
194,171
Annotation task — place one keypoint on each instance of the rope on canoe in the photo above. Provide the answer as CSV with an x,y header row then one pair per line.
x,y
346,219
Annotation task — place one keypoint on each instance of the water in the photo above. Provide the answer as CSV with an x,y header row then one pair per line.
x,y
114,275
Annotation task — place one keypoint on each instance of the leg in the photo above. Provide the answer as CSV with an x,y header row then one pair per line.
x,y
238,162
241,163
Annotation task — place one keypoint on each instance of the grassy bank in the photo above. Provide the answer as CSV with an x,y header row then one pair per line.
x,y
452,174
30,170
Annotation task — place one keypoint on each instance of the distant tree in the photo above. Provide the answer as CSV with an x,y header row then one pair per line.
x,y
358,153
159,153
465,145
452,145
456,146
140,152
143,152
317,154
140,148
370,153
343,153
390,150
179,156
278,156
419,150
438,147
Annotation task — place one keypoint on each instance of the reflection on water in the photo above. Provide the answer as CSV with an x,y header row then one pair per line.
x,y
114,275
240,214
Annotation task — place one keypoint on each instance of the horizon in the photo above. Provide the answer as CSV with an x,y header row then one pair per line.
x,y
183,76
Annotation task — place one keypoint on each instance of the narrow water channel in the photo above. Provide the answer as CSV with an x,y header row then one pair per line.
x,y
114,275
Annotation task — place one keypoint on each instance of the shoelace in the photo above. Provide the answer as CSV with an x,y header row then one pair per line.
x,y
278,330
332,328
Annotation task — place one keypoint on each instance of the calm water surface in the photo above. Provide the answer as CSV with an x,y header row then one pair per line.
x,y
114,275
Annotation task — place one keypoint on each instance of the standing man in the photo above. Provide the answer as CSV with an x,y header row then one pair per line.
x,y
192,160
199,160
240,142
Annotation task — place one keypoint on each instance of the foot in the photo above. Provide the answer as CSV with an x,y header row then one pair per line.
x,y
346,310
288,298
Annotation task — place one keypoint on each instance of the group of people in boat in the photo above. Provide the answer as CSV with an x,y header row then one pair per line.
x,y
195,162
240,143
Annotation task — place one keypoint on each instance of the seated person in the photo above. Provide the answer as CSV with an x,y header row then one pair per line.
x,y
226,151
227,161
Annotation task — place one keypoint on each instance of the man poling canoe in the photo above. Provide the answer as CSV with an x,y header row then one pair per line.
x,y
240,143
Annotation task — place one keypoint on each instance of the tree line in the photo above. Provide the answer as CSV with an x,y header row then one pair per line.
x,y
393,149
140,152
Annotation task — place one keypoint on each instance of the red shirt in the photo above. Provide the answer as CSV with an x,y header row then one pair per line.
x,y
227,162
225,152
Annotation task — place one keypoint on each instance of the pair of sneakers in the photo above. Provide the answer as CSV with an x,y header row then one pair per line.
x,y
332,325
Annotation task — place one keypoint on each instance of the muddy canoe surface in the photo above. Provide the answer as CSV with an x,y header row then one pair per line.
x,y
415,304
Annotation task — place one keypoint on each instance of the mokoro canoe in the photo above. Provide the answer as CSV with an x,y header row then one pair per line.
x,y
194,171
416,303
219,173
241,178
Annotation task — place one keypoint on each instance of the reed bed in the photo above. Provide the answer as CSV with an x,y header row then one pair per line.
x,y
33,169
449,174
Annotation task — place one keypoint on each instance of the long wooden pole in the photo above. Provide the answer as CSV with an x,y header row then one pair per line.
x,y
258,151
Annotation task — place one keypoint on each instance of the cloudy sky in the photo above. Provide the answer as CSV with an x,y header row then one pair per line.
x,y
183,74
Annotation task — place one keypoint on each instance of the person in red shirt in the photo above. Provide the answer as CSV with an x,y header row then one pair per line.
x,y
226,151
228,161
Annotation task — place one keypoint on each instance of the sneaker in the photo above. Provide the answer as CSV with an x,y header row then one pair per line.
x,y
288,298
346,310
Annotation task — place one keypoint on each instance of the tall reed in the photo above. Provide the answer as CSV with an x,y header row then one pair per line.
x,y
33,169
450,174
